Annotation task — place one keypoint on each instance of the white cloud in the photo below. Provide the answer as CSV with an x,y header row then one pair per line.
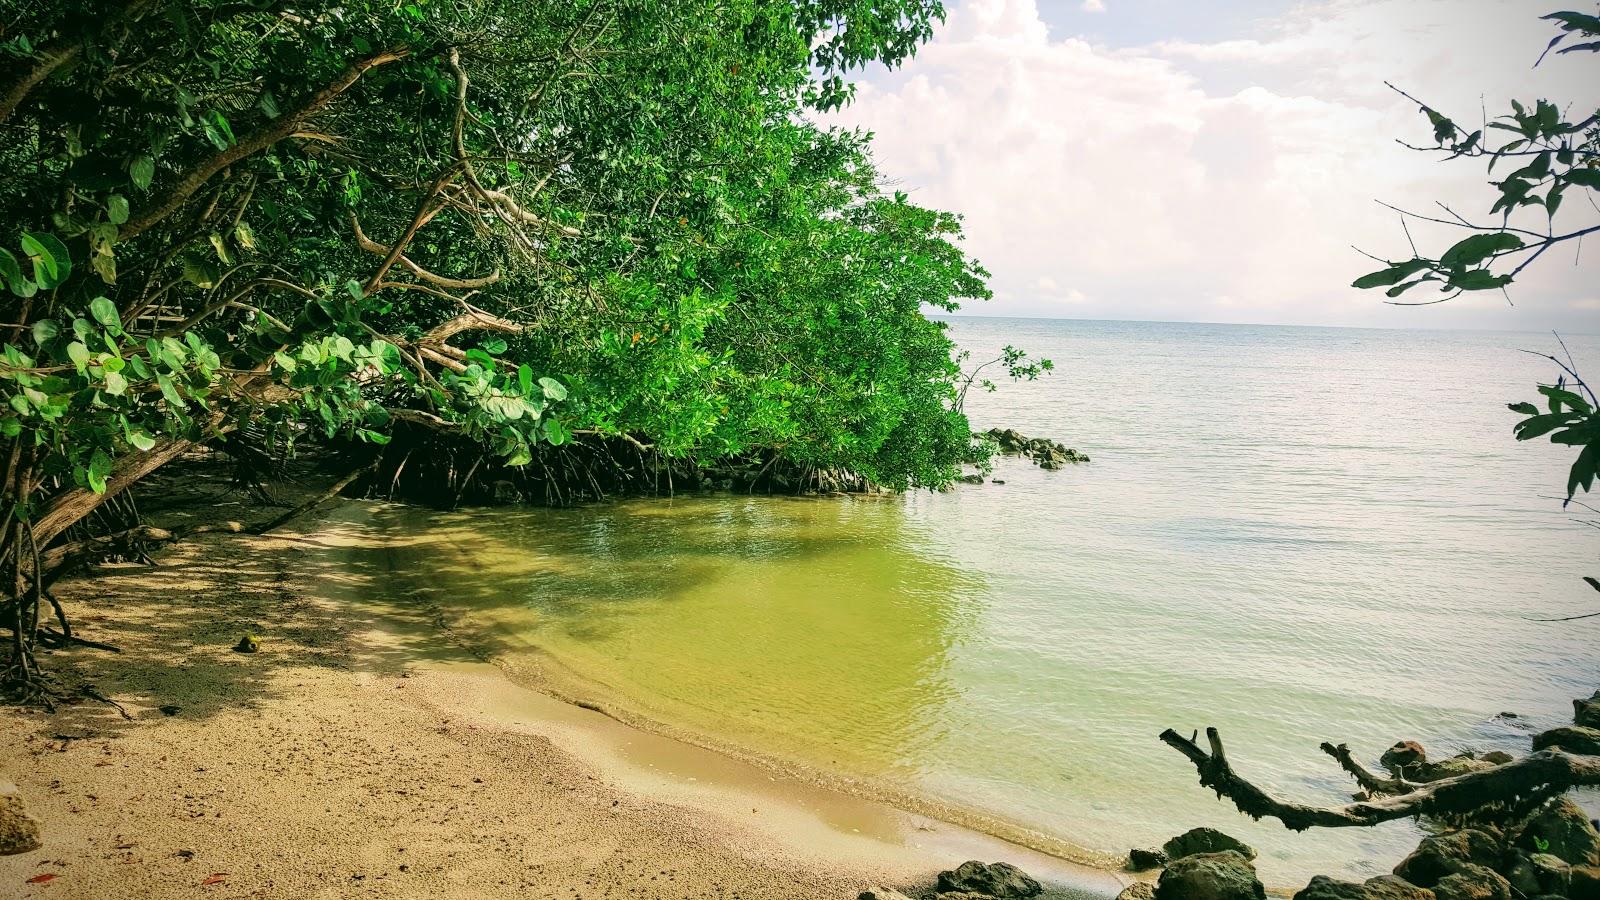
x,y
1094,6
1222,180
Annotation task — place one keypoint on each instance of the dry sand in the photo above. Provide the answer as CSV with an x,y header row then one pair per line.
x,y
362,753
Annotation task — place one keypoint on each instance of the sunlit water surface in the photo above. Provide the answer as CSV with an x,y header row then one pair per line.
x,y
1293,534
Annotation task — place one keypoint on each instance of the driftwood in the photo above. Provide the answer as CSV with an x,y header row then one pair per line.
x,y
1529,779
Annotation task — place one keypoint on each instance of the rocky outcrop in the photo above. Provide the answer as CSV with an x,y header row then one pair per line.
x,y
1205,840
1139,890
19,832
1573,739
1586,713
1384,887
1407,758
1141,860
1561,829
1440,855
1473,882
999,880
1539,874
1046,453
1228,875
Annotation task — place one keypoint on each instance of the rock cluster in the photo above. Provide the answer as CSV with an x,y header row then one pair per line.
x,y
1201,864
972,880
1550,853
1046,453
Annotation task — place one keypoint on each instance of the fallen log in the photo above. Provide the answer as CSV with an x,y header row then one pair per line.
x,y
1529,779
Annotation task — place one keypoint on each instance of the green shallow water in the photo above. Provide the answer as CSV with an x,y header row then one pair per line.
x,y
1283,534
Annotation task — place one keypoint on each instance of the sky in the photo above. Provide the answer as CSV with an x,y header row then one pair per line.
x,y
1193,160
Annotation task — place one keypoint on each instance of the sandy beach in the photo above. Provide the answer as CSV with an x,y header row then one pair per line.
x,y
362,753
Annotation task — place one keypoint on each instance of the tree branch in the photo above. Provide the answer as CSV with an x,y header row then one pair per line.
x,y
1537,776
274,131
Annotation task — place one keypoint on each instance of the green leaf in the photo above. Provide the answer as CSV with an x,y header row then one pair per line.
x,y
142,171
79,354
221,247
1479,247
1396,273
141,440
555,432
494,346
1560,397
51,261
99,467
1589,178
284,360
1541,425
117,209
170,392
354,288
1527,409
44,330
11,273
525,379
1479,280
1583,470
115,383
104,312
553,389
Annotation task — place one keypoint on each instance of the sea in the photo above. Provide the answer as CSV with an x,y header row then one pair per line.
x,y
1295,535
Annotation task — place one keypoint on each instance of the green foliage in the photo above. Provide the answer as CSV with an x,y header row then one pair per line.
x,y
519,222
1555,158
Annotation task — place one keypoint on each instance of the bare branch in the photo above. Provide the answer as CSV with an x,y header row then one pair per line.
x,y
1531,778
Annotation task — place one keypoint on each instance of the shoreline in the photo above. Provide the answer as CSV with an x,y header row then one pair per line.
x,y
551,676
329,749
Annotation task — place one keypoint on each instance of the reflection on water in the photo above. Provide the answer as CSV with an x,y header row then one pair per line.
x,y
803,624
1293,534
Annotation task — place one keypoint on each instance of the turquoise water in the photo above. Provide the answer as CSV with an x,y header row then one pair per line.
x,y
1293,534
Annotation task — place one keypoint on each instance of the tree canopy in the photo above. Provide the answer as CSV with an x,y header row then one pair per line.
x,y
512,222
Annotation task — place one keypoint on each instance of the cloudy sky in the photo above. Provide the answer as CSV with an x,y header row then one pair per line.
x,y
1201,160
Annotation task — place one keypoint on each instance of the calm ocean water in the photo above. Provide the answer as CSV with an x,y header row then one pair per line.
x,y
1294,534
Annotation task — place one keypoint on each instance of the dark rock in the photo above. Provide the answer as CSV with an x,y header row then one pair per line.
x,y
1497,757
19,832
170,710
1140,860
247,644
1552,872
1448,768
1473,882
1439,855
878,893
1210,876
1572,738
1404,753
997,481
1386,887
1586,713
971,479
1205,840
1585,884
1139,890
1001,880
1561,829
